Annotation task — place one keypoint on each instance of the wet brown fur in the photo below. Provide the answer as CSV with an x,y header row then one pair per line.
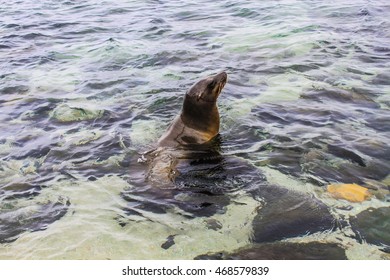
x,y
197,124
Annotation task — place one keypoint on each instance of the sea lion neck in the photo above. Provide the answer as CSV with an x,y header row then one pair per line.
x,y
200,116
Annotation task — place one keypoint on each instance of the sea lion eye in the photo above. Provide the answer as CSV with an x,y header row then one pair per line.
x,y
212,84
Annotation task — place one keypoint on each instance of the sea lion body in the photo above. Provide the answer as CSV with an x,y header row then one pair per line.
x,y
197,124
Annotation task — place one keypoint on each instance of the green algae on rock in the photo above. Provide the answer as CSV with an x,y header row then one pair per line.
x,y
66,113
373,226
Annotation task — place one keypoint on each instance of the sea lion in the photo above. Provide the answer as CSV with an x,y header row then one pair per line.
x,y
196,125
198,121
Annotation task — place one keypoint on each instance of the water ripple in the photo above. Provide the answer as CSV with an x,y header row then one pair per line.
x,y
86,87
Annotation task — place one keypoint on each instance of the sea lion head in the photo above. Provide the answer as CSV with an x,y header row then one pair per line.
x,y
200,111
207,89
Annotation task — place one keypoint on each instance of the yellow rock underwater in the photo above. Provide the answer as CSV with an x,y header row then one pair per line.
x,y
350,192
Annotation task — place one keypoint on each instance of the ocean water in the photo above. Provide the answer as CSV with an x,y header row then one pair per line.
x,y
87,86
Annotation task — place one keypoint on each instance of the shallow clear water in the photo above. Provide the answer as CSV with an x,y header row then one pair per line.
x,y
86,87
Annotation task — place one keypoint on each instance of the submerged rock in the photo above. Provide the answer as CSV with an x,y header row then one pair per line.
x,y
283,251
290,214
350,192
373,226
20,190
333,170
16,219
346,154
213,224
169,242
65,113
322,141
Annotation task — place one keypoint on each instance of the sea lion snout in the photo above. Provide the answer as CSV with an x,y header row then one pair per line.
x,y
221,80
221,77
